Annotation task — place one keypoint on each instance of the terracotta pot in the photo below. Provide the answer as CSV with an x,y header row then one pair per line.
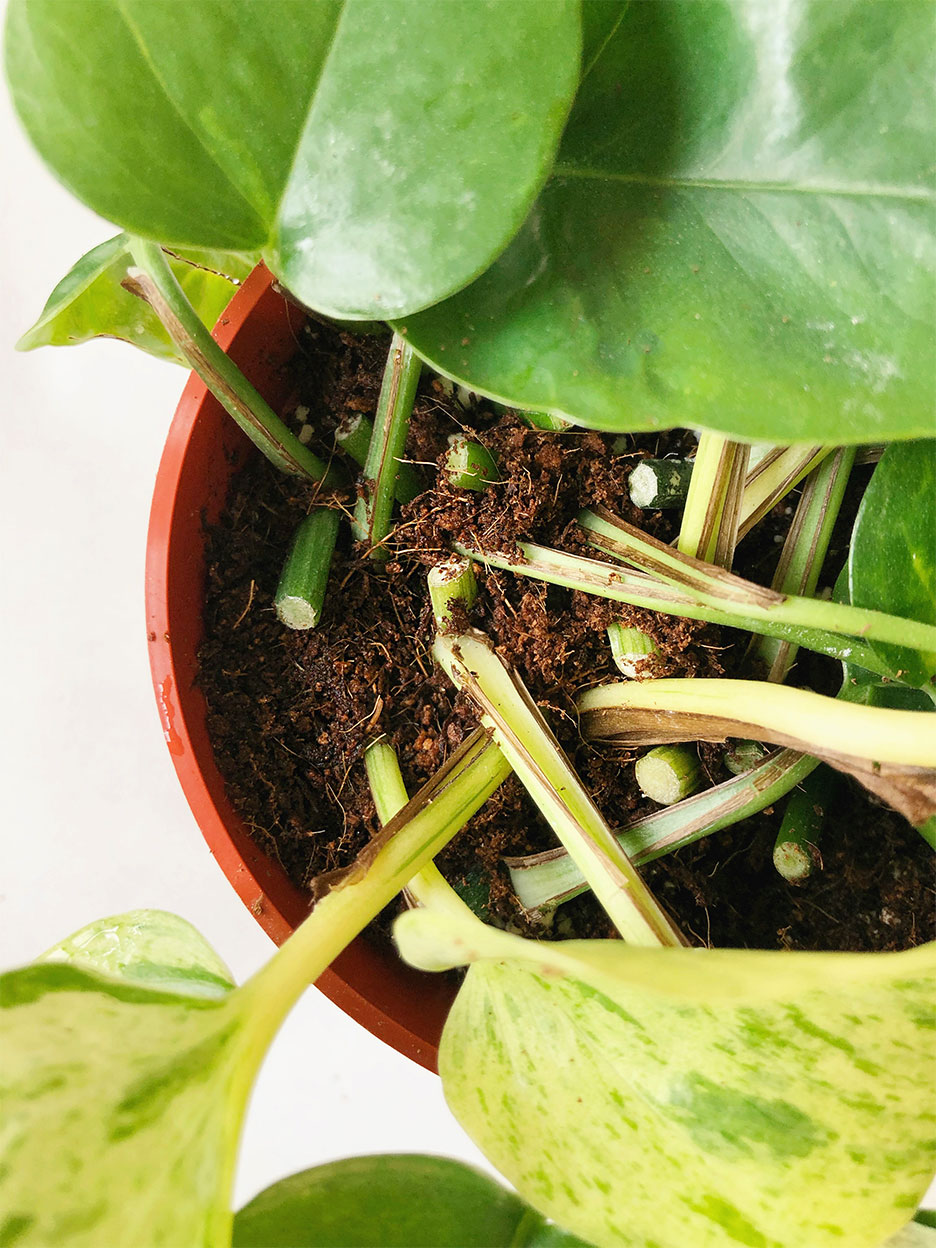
x,y
403,1007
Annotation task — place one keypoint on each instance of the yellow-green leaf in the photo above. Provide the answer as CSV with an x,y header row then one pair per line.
x,y
90,302
706,1097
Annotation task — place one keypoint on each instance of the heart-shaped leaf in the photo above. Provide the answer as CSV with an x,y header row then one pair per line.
x,y
122,1095
152,948
90,302
704,1097
737,234
382,156
396,1201
892,559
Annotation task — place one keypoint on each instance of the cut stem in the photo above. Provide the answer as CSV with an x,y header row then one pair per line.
x,y
804,552
796,851
660,483
709,527
374,509
450,584
548,879
300,594
154,281
668,773
355,434
631,649
743,755
543,420
531,749
469,465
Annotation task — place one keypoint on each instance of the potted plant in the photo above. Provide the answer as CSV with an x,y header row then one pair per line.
x,y
553,325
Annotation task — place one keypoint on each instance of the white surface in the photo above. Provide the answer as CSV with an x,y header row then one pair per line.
x,y
94,822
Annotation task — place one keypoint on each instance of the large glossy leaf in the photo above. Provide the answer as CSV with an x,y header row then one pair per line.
x,y
122,1102
737,235
381,155
396,1201
892,559
705,1097
90,302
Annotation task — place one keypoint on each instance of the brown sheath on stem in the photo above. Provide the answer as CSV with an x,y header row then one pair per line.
x,y
909,789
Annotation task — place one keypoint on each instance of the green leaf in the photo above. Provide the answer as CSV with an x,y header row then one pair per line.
x,y
703,1097
737,234
90,302
892,559
396,1201
122,1108
152,948
381,156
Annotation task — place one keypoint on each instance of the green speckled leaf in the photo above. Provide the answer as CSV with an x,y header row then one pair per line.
x,y
662,1098
122,1107
149,947
396,1201
737,233
89,302
892,559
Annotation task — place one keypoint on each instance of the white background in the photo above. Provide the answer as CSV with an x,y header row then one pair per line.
x,y
93,821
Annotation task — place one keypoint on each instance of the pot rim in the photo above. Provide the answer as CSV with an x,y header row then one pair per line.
x,y
401,1006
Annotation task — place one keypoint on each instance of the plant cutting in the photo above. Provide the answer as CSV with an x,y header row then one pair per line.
x,y
558,276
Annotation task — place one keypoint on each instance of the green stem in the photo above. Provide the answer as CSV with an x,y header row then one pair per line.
x,y
428,887
469,465
804,551
655,484
300,594
709,527
668,773
712,586
450,584
548,879
155,281
373,511
543,420
355,434
796,850
608,580
634,713
531,749
630,649
405,845
772,478
743,755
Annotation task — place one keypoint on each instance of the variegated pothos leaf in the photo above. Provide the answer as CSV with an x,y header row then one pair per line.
x,y
713,1098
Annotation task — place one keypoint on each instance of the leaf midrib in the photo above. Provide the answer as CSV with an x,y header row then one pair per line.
x,y
912,194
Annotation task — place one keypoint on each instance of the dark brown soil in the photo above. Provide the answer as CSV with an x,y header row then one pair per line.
x,y
290,713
